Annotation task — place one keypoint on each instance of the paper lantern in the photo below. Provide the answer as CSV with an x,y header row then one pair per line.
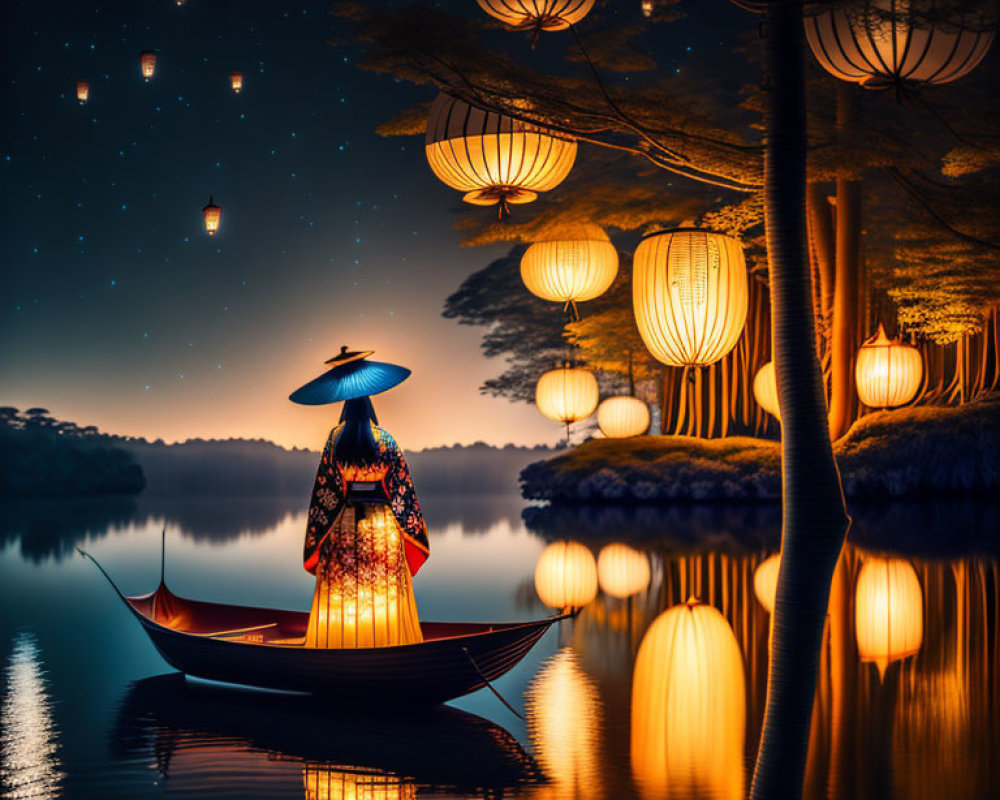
x,y
765,581
622,571
567,394
888,611
577,264
82,91
647,8
491,157
236,79
147,62
323,782
689,294
623,416
566,576
888,372
546,15
563,711
688,707
213,214
765,390
880,43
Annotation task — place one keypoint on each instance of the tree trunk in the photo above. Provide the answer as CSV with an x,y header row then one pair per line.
x,y
814,520
844,335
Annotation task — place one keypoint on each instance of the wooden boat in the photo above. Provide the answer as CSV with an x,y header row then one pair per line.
x,y
262,647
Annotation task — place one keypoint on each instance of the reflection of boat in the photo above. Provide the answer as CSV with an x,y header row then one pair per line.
x,y
263,647
187,726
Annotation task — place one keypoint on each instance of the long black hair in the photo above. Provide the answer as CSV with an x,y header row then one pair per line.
x,y
356,443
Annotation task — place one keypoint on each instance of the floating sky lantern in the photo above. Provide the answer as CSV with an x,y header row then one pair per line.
x,y
546,15
688,707
622,571
564,714
765,390
491,157
765,581
236,79
888,611
880,43
689,294
213,214
566,575
82,91
578,263
647,8
888,372
567,394
147,63
623,416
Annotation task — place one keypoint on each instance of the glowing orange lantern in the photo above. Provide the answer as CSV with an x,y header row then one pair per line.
x,y
765,581
82,91
322,782
689,294
564,714
491,157
647,8
688,707
888,372
213,214
881,43
623,416
567,394
546,15
236,79
147,62
765,390
566,575
579,263
622,571
888,611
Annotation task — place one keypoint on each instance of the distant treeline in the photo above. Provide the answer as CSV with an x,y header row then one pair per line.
x,y
41,456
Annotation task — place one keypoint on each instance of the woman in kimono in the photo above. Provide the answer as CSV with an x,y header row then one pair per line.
x,y
365,535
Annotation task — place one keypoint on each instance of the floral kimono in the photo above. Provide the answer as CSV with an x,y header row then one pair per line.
x,y
365,538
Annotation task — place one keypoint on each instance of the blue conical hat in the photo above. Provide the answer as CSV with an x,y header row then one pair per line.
x,y
352,375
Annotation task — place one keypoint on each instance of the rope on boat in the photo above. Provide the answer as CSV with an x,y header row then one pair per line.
x,y
103,572
492,688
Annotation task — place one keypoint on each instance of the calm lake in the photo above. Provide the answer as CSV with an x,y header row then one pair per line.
x,y
91,711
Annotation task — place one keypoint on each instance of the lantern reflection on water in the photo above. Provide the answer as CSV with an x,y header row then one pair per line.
x,y
689,707
889,611
563,710
689,295
492,157
347,783
566,575
765,581
622,571
147,63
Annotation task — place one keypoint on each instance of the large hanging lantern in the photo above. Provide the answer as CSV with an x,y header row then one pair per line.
x,y
491,157
623,416
577,264
622,571
566,575
545,15
147,63
567,394
765,390
689,293
880,43
888,372
765,581
82,91
236,81
563,711
213,214
688,707
888,611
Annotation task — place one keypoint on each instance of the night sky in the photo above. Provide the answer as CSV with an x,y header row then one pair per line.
x,y
119,310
